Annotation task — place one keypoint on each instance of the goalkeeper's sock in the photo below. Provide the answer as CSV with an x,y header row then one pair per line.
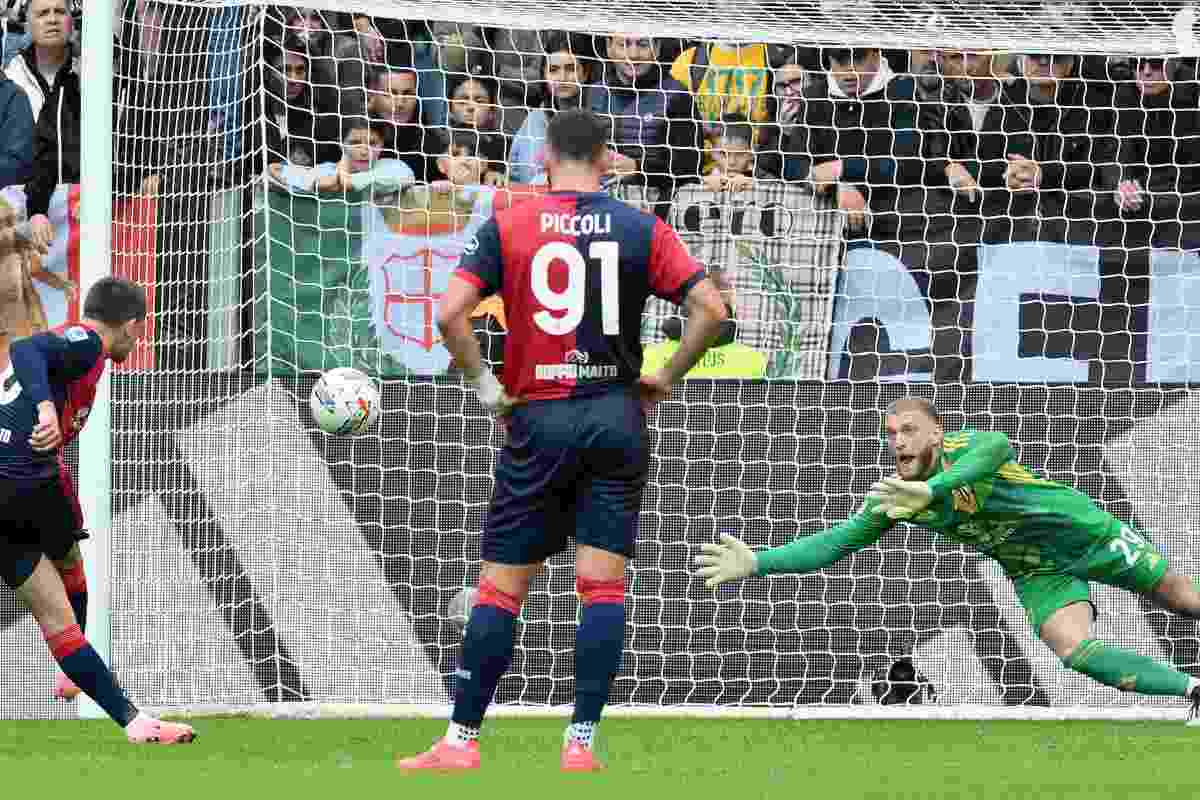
x,y
598,645
1129,672
486,652
83,665
75,583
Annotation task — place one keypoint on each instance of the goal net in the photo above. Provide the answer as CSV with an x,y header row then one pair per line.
x,y
988,205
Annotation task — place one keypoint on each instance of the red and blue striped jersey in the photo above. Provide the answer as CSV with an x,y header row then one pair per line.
x,y
574,270
63,365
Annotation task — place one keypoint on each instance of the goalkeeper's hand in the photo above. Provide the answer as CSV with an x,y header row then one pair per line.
x,y
727,561
491,393
900,499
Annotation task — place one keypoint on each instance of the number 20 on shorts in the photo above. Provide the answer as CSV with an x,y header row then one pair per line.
x,y
1129,544
573,298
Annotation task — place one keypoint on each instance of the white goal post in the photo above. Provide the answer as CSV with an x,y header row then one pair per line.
x,y
242,563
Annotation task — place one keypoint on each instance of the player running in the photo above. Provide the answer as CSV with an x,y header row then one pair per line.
x,y
46,392
574,269
1050,539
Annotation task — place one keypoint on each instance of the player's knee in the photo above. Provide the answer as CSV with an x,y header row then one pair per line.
x,y
600,590
491,594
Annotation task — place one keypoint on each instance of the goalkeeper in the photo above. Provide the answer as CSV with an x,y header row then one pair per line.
x,y
1050,539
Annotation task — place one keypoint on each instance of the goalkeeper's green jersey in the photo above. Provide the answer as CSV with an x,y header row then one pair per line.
x,y
983,498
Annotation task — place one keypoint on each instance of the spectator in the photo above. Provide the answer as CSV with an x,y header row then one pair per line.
x,y
473,108
728,78
1025,145
733,157
357,53
362,149
1157,175
566,75
397,112
654,132
16,120
297,131
790,83
56,157
860,132
49,57
12,32
925,66
517,60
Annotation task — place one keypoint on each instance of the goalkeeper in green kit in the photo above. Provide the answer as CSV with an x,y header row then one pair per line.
x,y
1050,539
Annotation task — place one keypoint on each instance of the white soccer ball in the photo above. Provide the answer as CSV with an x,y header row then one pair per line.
x,y
344,401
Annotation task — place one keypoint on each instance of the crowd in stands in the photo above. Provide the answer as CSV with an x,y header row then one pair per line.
x,y
908,145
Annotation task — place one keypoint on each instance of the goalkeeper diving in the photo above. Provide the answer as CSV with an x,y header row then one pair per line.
x,y
1050,539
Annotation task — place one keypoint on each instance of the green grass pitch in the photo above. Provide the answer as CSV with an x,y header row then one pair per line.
x,y
655,759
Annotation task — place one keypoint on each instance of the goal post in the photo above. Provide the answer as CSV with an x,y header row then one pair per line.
x,y
241,562
95,262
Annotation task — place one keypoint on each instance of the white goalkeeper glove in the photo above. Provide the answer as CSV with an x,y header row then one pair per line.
x,y
491,393
901,499
728,561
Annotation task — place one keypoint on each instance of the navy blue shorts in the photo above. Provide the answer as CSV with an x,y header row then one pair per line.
x,y
572,467
36,518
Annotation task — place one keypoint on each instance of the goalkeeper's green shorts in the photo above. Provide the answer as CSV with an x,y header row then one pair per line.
x,y
1128,561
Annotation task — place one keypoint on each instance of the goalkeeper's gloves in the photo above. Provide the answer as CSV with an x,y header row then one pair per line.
x,y
728,561
900,499
491,393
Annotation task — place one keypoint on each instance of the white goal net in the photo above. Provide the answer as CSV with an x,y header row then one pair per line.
x,y
990,205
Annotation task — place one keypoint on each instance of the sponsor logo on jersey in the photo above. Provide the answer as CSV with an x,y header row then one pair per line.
x,y
577,371
577,357
471,246
965,500
76,333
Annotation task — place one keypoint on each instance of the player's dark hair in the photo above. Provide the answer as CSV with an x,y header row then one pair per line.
x,y
115,301
577,135
926,407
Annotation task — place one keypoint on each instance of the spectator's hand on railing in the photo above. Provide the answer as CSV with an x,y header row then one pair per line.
x,y
1129,195
151,185
825,176
851,201
962,182
1022,173
717,181
497,179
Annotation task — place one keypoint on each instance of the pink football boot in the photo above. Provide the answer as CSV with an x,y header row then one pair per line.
x,y
578,758
443,756
148,730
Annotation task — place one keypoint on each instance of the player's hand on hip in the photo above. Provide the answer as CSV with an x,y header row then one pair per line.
x,y
653,389
728,561
900,499
491,393
47,435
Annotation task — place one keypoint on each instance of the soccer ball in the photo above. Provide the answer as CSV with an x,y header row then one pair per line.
x,y
344,401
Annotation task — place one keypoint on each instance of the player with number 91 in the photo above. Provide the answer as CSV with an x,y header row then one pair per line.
x,y
1050,539
574,268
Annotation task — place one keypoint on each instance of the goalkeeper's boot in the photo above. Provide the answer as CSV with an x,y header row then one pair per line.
x,y
444,755
578,757
65,688
148,730
1194,714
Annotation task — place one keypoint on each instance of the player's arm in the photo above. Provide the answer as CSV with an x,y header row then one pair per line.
x,y
38,359
676,276
477,276
985,452
982,453
733,559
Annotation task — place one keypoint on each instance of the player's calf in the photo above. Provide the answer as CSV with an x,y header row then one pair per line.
x,y
598,647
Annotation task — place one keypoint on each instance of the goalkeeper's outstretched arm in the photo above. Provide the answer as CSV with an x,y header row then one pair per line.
x,y
732,558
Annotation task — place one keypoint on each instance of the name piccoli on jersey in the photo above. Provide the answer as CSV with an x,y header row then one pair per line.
x,y
576,225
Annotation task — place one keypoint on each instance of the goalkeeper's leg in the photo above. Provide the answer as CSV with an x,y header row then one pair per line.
x,y
39,586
